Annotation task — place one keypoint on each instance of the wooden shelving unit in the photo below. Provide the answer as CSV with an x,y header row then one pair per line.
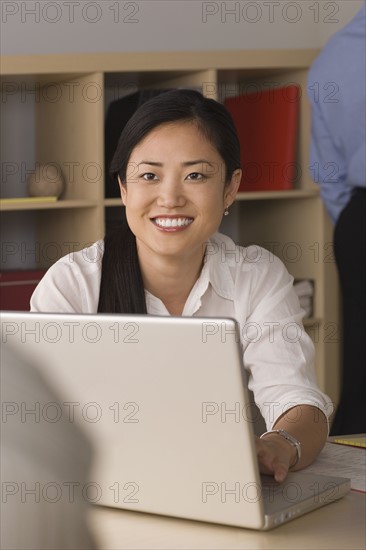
x,y
70,132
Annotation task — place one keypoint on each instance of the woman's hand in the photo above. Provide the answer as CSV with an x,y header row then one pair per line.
x,y
275,456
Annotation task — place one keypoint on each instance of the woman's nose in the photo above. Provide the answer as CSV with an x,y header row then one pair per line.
x,y
171,194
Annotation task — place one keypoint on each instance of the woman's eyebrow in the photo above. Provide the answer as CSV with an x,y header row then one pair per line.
x,y
199,161
187,163
150,162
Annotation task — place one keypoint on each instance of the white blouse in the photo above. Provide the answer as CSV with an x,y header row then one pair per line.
x,y
249,284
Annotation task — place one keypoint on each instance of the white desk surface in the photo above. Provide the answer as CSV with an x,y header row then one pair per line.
x,y
339,525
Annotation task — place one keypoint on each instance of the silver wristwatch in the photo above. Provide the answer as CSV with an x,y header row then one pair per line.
x,y
290,438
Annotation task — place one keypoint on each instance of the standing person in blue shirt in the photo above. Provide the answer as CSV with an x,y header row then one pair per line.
x,y
336,88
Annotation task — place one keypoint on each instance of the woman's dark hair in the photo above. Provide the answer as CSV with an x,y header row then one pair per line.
x,y
121,288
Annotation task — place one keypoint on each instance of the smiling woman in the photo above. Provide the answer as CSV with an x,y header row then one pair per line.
x,y
178,168
174,206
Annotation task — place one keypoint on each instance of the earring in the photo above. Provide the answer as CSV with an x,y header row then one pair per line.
x,y
226,211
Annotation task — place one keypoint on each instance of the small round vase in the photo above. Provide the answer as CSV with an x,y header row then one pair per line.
x,y
46,180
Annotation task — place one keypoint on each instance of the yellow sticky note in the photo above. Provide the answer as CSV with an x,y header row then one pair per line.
x,y
358,441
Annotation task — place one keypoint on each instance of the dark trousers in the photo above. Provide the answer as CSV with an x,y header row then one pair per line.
x,y
350,254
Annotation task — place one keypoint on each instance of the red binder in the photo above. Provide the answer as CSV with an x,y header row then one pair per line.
x,y
16,289
267,126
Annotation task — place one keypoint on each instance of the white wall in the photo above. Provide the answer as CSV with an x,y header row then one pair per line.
x,y
61,26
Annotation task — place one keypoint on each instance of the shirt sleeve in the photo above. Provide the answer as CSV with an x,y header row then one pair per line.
x,y
327,166
72,284
59,291
278,353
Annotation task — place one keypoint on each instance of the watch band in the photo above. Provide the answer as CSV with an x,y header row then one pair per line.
x,y
290,438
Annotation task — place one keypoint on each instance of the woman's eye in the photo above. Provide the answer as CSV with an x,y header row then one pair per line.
x,y
148,176
195,176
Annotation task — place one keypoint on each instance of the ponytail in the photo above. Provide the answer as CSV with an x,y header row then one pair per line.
x,y
121,287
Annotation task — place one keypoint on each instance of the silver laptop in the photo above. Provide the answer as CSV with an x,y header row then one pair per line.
x,y
164,401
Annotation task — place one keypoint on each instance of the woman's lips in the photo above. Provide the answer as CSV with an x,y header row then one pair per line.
x,y
172,223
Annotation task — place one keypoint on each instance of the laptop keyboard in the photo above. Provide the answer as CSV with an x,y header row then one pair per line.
x,y
270,487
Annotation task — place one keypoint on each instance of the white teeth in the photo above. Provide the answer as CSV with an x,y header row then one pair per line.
x,y
172,222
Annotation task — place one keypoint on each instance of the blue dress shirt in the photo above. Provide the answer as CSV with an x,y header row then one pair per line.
x,y
336,89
